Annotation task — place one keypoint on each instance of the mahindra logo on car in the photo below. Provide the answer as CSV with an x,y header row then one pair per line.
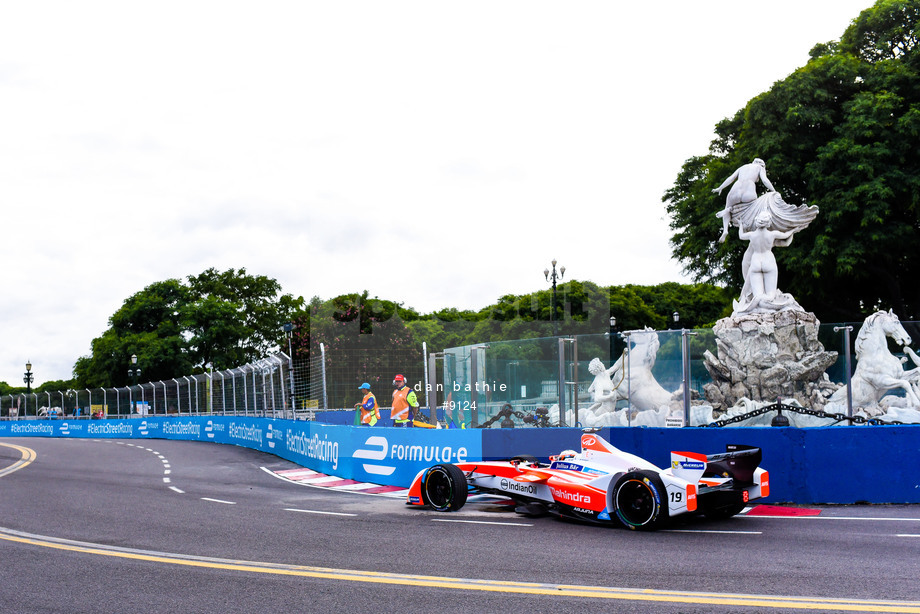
x,y
570,497
590,441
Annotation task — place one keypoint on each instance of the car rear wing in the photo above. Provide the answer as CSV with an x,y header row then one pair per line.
x,y
738,462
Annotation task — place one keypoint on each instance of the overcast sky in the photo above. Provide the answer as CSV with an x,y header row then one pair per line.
x,y
439,154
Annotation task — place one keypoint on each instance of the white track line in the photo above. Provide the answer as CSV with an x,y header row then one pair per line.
x,y
218,500
293,509
504,524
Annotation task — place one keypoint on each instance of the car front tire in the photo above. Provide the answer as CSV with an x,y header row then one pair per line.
x,y
444,488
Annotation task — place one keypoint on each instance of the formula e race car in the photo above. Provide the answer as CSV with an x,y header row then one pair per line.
x,y
604,485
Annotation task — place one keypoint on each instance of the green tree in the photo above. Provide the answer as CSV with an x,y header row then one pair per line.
x,y
222,319
840,133
235,318
53,386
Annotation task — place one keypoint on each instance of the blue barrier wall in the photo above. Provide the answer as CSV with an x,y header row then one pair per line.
x,y
391,456
841,464
874,464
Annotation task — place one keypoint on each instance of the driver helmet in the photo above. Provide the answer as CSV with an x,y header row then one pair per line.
x,y
566,454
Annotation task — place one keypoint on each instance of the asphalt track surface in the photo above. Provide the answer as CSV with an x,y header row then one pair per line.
x,y
101,526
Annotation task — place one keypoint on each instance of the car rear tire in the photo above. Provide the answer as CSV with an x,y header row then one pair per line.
x,y
639,500
444,488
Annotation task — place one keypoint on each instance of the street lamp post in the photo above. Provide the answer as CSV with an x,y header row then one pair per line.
x,y
27,379
134,372
676,318
553,277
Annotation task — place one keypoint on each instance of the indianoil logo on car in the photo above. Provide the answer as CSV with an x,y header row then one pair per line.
x,y
512,486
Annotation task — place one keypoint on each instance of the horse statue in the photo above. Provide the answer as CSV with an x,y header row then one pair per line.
x,y
878,371
629,378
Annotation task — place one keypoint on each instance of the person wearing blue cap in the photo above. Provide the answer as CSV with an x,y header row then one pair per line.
x,y
370,411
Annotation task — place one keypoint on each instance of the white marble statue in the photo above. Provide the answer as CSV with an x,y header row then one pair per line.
x,y
629,378
604,393
878,371
766,222
759,270
743,190
742,205
641,388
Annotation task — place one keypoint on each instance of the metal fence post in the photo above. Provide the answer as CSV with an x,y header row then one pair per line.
x,y
245,397
281,385
561,381
255,395
233,386
271,383
185,377
575,378
223,394
322,353
625,365
432,396
474,384
290,363
847,365
685,360
425,372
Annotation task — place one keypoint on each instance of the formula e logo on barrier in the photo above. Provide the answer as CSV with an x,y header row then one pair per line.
x,y
65,429
376,450
142,429
270,436
209,429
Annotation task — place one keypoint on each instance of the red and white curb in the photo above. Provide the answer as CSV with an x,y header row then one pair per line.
x,y
308,477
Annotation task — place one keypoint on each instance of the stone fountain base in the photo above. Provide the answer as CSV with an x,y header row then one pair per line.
x,y
767,356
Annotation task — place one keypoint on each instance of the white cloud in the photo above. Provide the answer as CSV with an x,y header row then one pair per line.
x,y
438,154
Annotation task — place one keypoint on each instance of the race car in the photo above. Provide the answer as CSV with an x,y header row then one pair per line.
x,y
603,484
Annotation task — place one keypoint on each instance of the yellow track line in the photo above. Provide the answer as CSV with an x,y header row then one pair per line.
x,y
28,455
522,588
